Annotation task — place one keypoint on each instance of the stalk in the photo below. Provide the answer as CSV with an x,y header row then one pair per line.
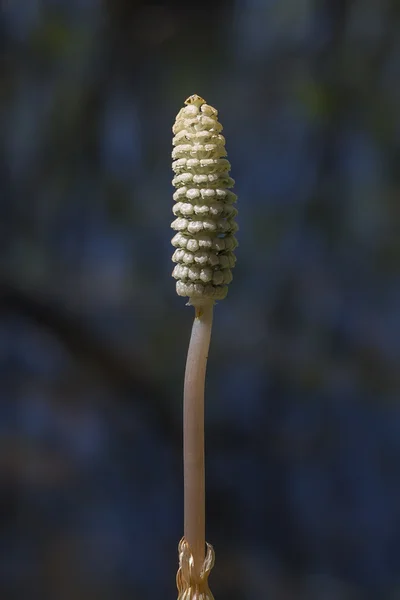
x,y
193,433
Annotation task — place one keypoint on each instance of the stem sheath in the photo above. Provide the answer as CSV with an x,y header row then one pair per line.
x,y
193,433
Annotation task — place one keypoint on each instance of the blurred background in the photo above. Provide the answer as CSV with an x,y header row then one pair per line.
x,y
303,413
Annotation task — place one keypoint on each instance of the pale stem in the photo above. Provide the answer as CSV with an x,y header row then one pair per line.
x,y
193,432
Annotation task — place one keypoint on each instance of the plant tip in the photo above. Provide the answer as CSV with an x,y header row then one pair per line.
x,y
205,223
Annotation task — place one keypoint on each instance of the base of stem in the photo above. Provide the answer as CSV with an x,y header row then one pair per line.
x,y
193,586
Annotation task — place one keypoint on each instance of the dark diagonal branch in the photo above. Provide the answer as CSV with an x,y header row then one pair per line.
x,y
126,375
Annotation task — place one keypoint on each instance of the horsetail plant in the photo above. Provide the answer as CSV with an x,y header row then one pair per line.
x,y
204,257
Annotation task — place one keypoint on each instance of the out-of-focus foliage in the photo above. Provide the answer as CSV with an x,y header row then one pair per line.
x,y
303,414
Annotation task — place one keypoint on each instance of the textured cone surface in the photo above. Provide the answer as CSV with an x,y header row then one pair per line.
x,y
205,216
189,586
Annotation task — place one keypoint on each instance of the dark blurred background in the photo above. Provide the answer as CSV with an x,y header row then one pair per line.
x,y
303,413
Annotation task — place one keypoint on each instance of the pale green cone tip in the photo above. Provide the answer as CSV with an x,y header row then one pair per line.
x,y
205,216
